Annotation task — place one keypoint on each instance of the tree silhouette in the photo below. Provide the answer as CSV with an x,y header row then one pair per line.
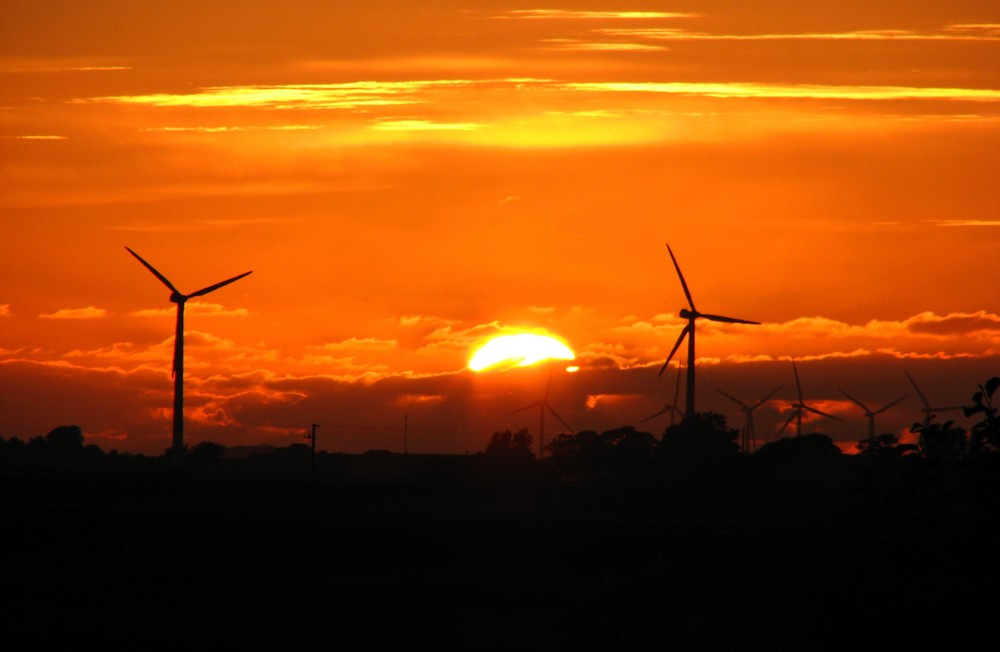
x,y
621,450
943,442
884,444
985,435
700,435
790,448
510,446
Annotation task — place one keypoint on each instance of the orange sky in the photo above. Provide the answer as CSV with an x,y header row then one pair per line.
x,y
407,181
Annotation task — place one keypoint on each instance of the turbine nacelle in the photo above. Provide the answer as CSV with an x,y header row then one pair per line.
x,y
688,314
177,297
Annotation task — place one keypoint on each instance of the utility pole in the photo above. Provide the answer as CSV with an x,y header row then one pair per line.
x,y
311,436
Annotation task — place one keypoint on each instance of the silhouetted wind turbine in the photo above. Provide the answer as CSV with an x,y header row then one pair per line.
x,y
692,315
177,449
670,407
871,413
927,409
542,406
749,432
798,407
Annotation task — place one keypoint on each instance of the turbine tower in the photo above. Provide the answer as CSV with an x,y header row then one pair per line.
x,y
177,448
870,413
749,431
800,406
670,407
692,315
542,406
927,409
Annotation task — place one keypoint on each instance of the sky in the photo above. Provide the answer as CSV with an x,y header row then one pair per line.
x,y
408,180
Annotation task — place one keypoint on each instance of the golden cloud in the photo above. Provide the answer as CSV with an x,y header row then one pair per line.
x,y
90,312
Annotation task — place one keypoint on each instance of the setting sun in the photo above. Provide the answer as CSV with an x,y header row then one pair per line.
x,y
518,350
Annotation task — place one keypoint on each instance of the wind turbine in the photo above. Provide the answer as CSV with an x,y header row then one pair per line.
x,y
800,406
927,409
670,407
542,406
177,449
870,413
692,315
749,432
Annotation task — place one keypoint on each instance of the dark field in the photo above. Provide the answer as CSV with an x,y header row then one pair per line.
x,y
523,563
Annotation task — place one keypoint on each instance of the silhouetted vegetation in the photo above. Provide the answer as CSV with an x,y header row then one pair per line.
x,y
620,451
510,447
702,435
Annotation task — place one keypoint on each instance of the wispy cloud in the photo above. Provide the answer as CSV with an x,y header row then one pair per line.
x,y
198,308
968,32
574,45
90,312
792,91
351,95
955,223
5,310
36,137
230,128
424,125
569,14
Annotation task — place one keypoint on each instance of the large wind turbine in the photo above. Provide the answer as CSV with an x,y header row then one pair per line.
x,y
692,315
542,406
927,409
871,413
798,407
177,449
670,407
749,431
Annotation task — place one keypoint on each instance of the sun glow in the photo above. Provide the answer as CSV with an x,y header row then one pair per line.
x,y
520,350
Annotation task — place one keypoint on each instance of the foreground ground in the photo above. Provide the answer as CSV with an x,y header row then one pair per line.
x,y
496,565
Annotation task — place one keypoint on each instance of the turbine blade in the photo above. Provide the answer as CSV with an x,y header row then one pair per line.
x,y
163,279
790,419
677,345
684,284
732,398
859,403
527,407
923,399
213,288
653,416
798,385
559,418
728,320
886,407
766,398
820,412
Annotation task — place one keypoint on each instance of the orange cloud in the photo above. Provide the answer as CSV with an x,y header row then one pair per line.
x,y
90,312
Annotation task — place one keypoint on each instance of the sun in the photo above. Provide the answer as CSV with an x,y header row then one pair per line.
x,y
519,350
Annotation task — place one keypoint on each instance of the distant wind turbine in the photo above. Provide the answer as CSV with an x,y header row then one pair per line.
x,y
177,449
927,409
800,406
542,406
749,431
871,413
670,407
692,315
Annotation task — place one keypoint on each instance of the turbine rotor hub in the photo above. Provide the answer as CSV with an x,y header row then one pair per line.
x,y
687,314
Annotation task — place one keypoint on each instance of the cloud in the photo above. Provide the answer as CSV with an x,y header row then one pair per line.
x,y
35,137
5,310
970,32
955,223
193,308
354,343
791,91
90,312
424,125
568,14
953,323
